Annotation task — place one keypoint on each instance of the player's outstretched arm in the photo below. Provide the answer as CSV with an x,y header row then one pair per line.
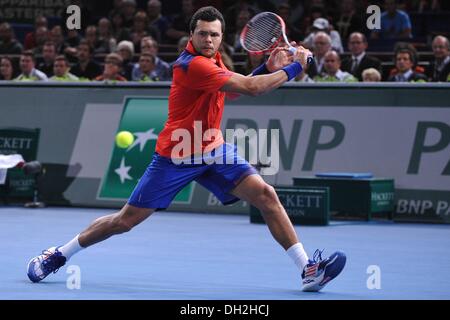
x,y
260,84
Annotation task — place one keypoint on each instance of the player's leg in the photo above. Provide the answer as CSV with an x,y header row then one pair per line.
x,y
104,227
316,273
263,196
157,187
101,229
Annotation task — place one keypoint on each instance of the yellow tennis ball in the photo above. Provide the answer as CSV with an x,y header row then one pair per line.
x,y
124,139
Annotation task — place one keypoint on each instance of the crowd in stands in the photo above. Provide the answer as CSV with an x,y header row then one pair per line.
x,y
133,40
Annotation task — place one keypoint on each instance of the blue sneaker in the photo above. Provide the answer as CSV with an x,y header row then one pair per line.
x,y
41,266
318,272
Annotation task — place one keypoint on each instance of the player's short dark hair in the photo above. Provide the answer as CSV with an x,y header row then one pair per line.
x,y
208,14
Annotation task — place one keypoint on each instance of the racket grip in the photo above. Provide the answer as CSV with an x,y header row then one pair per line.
x,y
310,59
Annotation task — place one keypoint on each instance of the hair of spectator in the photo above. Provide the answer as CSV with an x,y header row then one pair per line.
x,y
49,43
125,44
62,58
208,14
372,72
29,53
447,43
403,47
114,58
363,36
148,55
322,34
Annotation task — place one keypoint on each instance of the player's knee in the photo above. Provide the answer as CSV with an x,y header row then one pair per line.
x,y
267,196
121,224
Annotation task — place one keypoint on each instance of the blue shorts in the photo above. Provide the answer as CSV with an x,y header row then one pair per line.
x,y
219,171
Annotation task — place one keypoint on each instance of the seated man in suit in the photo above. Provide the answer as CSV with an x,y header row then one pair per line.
x,y
439,69
359,60
405,62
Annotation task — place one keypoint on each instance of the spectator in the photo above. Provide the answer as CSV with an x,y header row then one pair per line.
x,y
86,68
359,60
30,37
159,22
180,24
91,36
284,10
234,34
73,39
226,57
128,10
405,60
163,70
61,70
439,69
321,45
371,75
27,66
348,21
322,25
140,30
126,50
8,45
7,71
48,56
182,43
145,70
57,36
107,43
332,71
253,61
395,24
111,71
303,77
41,36
119,31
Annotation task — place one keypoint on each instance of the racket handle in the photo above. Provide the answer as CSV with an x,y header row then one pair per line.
x,y
293,50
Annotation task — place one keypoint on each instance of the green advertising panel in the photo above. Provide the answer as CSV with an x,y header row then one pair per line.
x,y
21,141
145,119
304,206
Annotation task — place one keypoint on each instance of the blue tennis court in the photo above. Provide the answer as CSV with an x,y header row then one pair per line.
x,y
189,256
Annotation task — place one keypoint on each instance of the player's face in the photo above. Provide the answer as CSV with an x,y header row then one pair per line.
x,y
207,37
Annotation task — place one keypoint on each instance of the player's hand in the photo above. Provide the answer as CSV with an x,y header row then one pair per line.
x,y
302,55
279,58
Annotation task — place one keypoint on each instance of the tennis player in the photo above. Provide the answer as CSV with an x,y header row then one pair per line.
x,y
200,82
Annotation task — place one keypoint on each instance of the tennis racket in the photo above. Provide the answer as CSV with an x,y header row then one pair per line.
x,y
264,32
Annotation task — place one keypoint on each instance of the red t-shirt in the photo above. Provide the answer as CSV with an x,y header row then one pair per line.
x,y
195,104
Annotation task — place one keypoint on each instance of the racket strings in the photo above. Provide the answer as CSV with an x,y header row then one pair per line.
x,y
262,33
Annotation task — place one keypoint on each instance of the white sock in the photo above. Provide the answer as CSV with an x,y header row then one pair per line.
x,y
298,254
70,248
